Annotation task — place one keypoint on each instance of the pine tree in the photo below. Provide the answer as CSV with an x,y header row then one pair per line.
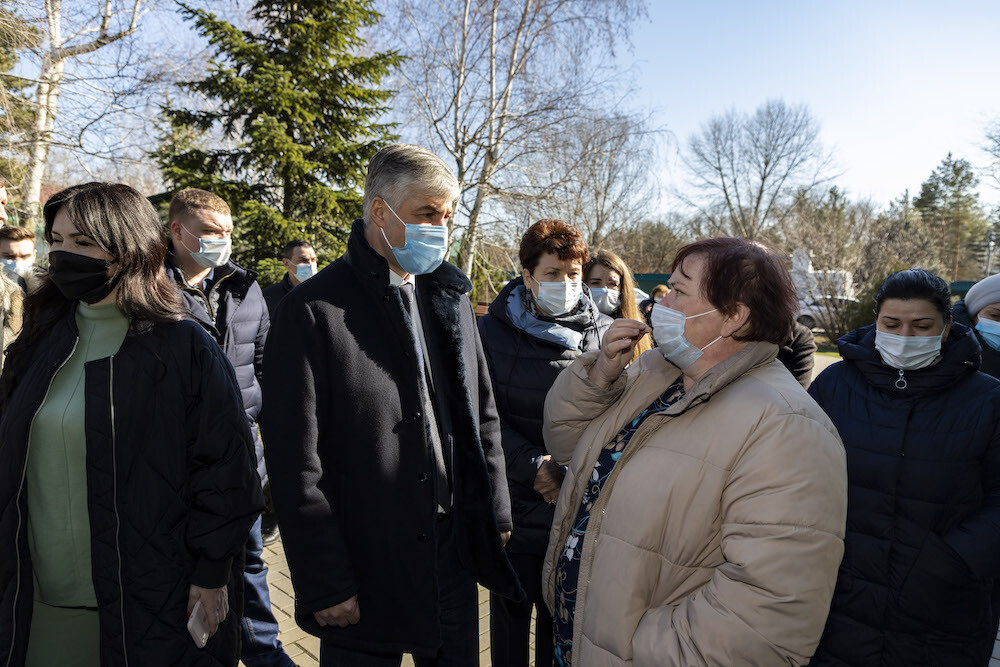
x,y
950,209
295,119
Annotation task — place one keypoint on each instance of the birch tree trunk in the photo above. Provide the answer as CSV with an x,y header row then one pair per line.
x,y
57,52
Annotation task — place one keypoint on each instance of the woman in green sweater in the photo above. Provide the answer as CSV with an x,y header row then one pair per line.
x,y
127,481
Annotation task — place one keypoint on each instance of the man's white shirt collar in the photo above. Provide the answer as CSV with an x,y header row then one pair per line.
x,y
397,281
207,279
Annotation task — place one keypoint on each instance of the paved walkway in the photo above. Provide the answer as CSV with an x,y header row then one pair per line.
x,y
304,648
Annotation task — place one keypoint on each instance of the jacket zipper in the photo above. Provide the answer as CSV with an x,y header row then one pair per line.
x,y
208,301
118,522
20,489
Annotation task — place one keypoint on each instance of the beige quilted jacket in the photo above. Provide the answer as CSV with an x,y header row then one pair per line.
x,y
717,538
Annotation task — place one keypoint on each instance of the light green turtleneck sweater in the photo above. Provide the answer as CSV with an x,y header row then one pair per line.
x,y
58,519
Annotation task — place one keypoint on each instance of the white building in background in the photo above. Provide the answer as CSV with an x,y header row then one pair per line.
x,y
812,285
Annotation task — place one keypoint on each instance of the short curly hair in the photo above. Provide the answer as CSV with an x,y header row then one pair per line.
x,y
552,236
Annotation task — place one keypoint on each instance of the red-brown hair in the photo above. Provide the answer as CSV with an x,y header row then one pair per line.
x,y
741,271
551,236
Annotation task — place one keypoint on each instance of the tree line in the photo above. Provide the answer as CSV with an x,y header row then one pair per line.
x,y
279,106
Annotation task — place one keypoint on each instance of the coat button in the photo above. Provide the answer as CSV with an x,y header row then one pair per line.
x,y
407,354
424,477
423,537
373,274
386,298
417,415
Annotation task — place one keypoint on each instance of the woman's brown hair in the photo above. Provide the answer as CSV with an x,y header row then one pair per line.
x,y
627,307
123,224
551,236
741,271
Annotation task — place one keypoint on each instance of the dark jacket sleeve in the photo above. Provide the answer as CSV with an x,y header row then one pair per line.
x,y
490,435
977,538
296,391
261,338
520,454
797,354
225,489
518,450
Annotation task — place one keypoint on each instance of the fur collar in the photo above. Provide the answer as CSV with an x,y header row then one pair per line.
x,y
365,261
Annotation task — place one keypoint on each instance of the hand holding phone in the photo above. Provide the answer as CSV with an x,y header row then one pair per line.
x,y
198,625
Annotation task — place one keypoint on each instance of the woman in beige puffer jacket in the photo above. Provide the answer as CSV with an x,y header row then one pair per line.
x,y
704,524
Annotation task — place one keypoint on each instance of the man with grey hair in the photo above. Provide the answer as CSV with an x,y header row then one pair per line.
x,y
383,440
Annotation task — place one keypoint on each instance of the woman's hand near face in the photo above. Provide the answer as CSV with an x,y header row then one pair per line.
x,y
616,350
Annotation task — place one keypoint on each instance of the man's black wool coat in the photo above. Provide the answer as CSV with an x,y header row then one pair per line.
x,y
349,458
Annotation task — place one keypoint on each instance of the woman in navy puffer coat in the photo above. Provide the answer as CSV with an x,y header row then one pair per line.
x,y
920,424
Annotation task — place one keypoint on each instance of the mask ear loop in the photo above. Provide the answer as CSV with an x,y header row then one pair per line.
x,y
382,229
186,246
711,344
386,238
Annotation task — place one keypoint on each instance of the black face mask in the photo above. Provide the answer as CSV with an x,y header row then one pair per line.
x,y
80,278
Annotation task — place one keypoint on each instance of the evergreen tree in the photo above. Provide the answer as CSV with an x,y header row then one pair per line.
x,y
15,105
950,209
294,115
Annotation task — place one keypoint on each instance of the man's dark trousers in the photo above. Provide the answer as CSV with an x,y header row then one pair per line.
x,y
458,606
510,622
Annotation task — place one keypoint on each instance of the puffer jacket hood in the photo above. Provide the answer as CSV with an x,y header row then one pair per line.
x,y
990,357
960,355
716,537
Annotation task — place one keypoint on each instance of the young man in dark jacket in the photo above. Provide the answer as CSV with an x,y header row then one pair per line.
x,y
227,301
383,441
299,259
529,339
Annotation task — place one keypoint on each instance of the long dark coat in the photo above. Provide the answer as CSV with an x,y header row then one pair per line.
x,y
923,518
171,489
349,459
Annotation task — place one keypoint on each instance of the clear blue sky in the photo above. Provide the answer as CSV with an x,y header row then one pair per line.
x,y
894,85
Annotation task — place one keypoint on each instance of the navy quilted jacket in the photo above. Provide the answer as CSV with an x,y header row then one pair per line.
x,y
523,368
233,311
923,517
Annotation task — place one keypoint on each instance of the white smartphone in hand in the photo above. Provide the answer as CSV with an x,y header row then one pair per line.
x,y
198,625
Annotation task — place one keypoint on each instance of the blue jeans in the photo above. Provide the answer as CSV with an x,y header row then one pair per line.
x,y
259,629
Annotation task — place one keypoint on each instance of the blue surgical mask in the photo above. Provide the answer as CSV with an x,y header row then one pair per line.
x,y
305,271
907,353
424,248
558,297
605,299
668,332
211,253
989,331
21,267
